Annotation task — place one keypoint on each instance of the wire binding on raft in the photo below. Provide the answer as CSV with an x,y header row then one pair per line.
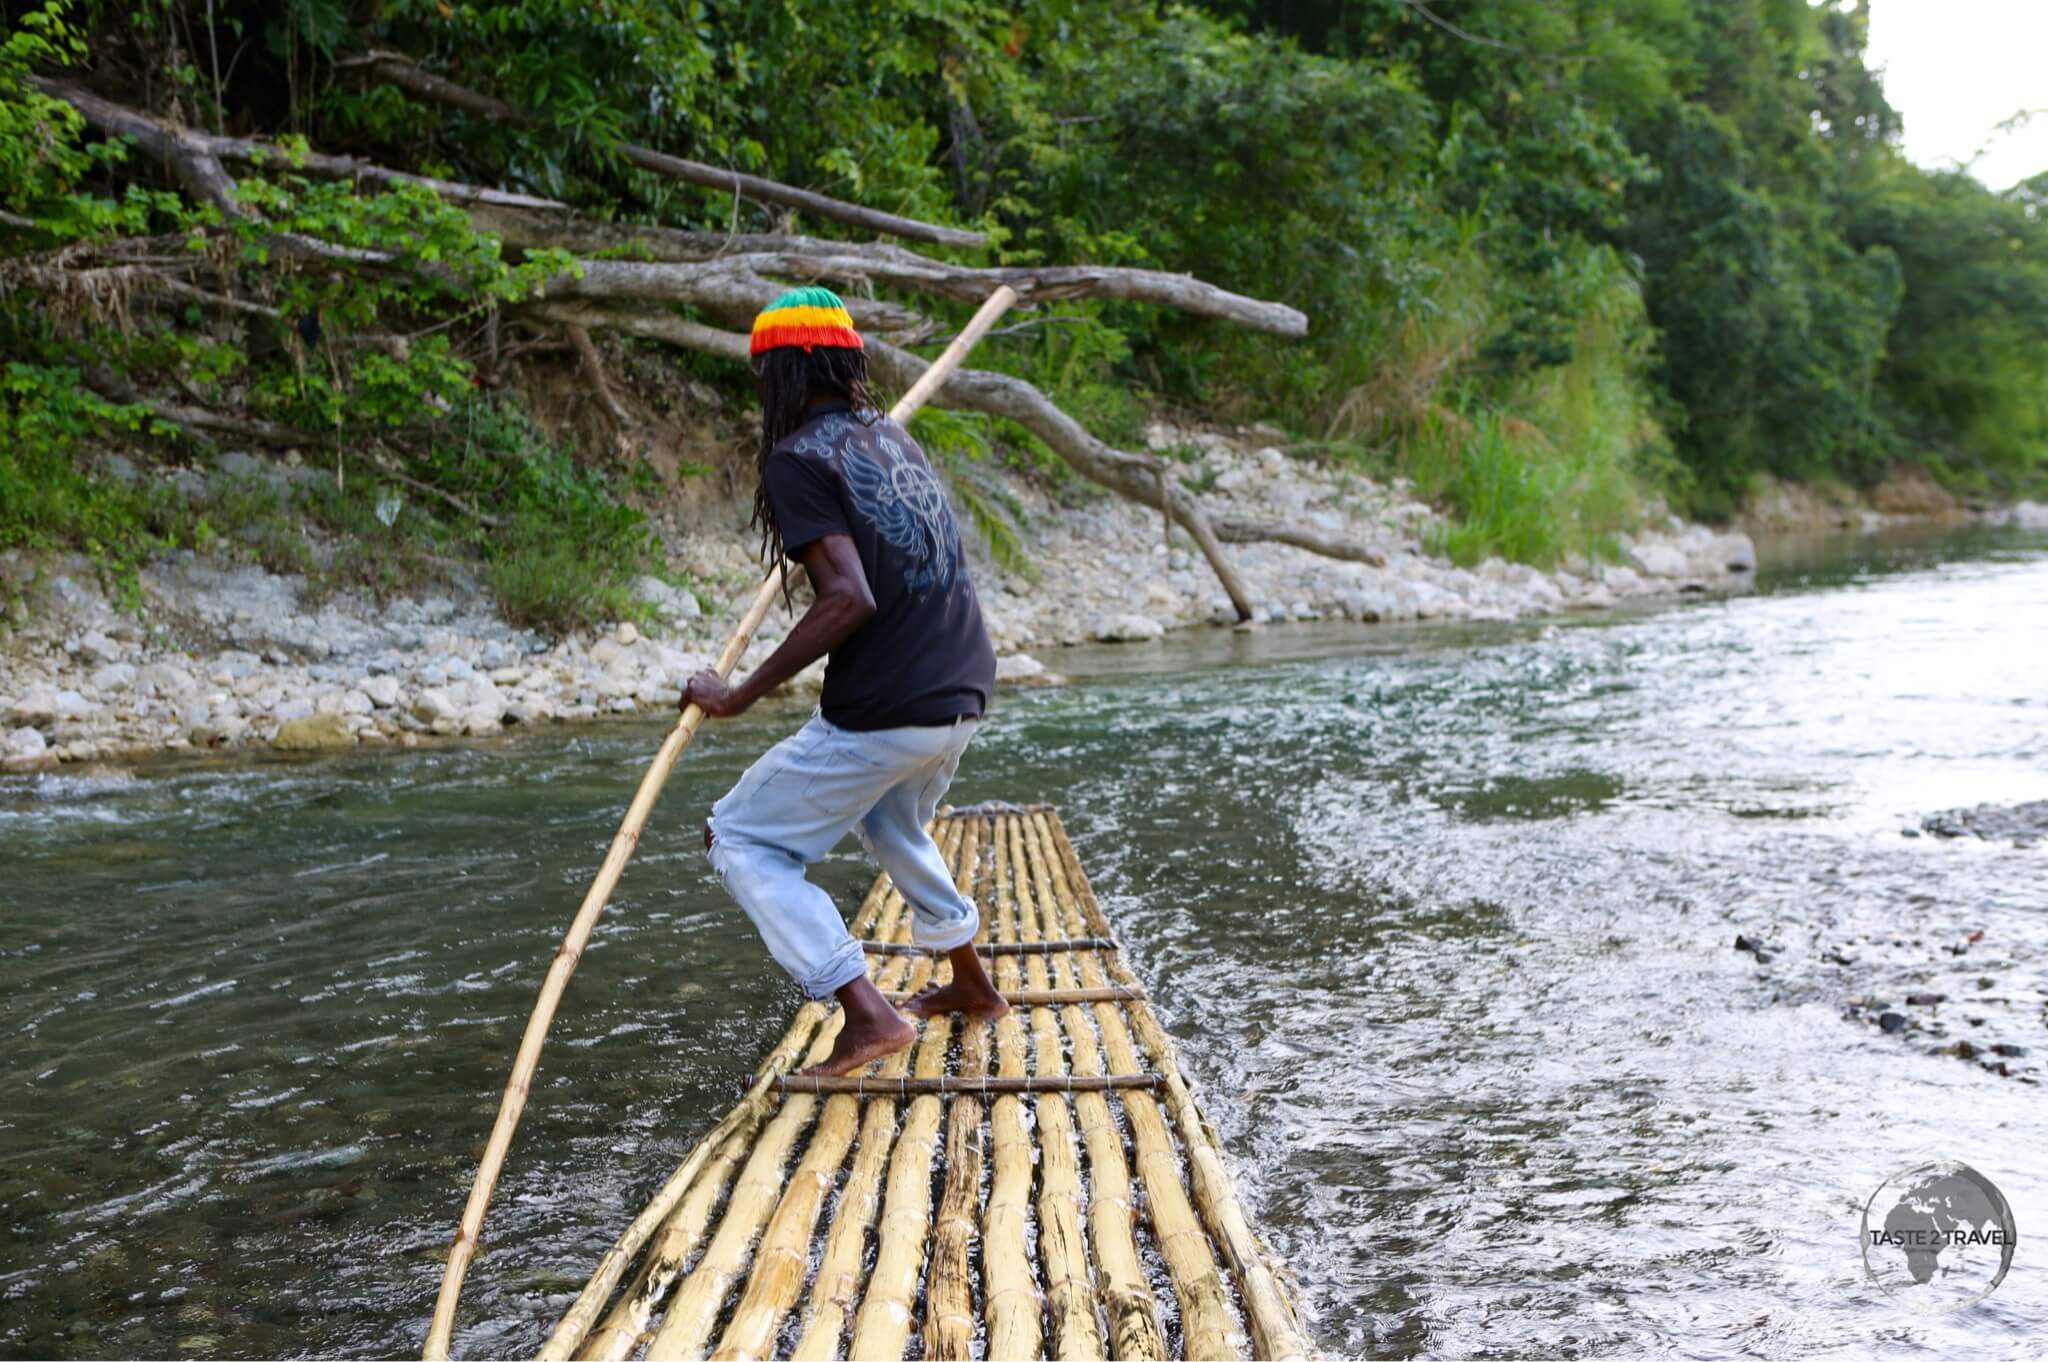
x,y
954,1086
1079,943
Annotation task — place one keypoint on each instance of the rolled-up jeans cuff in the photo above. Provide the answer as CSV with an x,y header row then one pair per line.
x,y
845,965
946,936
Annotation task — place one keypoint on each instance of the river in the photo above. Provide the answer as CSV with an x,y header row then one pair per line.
x,y
1442,916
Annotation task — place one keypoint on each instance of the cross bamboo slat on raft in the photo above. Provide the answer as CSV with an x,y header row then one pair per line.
x,y
920,1198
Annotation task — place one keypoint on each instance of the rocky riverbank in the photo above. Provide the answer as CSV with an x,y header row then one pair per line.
x,y
220,654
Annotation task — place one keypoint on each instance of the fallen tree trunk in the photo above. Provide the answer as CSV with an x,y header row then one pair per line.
x,y
710,281
1132,475
399,70
189,151
730,285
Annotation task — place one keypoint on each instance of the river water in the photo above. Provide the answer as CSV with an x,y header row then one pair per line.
x,y
1442,916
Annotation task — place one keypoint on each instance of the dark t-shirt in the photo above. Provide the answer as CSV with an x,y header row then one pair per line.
x,y
924,658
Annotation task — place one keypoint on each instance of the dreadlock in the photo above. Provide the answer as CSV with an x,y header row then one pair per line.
x,y
788,378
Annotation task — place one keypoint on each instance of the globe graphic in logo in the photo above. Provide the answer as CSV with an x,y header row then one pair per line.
x,y
1938,1237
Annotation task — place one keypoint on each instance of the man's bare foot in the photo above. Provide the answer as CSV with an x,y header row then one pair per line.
x,y
871,1029
858,1045
969,992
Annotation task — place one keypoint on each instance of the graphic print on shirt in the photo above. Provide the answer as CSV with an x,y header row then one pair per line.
x,y
904,502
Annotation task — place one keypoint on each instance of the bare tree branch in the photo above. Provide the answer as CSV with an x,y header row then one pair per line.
x,y
592,365
1240,530
402,71
799,257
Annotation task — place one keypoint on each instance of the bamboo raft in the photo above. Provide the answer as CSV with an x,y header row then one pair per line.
x,y
1040,1187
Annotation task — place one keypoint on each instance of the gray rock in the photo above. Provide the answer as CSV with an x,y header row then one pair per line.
x,y
497,655
25,742
434,704
162,678
115,676
116,468
298,707
100,648
1127,628
1658,560
673,603
69,704
382,690
236,664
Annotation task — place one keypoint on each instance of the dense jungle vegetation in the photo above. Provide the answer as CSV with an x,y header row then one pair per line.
x,y
1554,256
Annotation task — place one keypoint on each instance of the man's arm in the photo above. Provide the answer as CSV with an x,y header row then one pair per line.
x,y
843,605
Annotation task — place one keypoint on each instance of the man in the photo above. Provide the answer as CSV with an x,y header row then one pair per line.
x,y
845,491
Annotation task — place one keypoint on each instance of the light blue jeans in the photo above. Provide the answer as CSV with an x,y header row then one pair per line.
x,y
795,803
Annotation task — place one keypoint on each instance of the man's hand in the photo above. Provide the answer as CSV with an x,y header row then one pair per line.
x,y
708,691
843,604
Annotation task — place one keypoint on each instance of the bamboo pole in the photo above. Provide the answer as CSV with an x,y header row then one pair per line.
x,y
1207,1327
566,958
970,335
1274,1322
1112,1232
781,1259
882,1325
1063,1252
441,1331
838,1282
949,1286
883,1321
1009,1291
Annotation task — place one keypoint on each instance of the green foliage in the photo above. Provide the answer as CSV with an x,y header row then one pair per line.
x,y
46,499
960,444
1555,257
566,548
1507,491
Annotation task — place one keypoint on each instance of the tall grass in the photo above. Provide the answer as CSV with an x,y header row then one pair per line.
x,y
1552,460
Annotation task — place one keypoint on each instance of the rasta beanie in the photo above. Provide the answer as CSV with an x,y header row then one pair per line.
x,y
807,318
